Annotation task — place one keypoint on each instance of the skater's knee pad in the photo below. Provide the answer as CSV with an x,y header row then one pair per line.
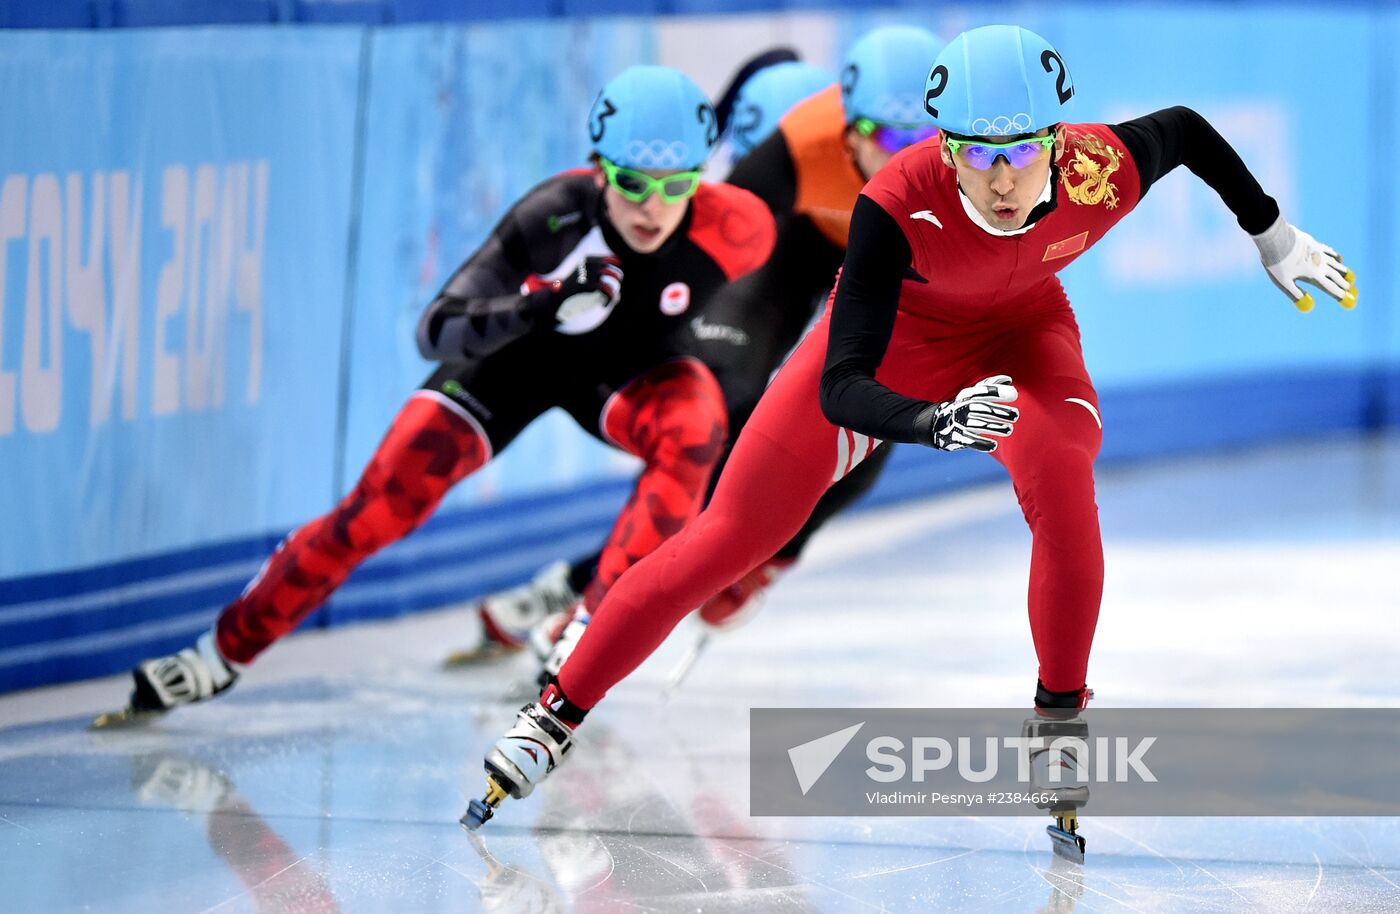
x,y
429,448
671,416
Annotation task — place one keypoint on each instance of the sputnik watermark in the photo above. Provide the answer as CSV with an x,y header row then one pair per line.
x,y
1112,761
1069,760
1115,759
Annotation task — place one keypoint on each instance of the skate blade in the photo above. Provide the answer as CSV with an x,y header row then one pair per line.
x,y
1066,845
479,812
685,665
486,652
124,719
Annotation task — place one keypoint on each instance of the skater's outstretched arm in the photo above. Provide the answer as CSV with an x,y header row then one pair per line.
x,y
1161,141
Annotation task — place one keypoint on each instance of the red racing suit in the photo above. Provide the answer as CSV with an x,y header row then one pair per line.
x,y
928,303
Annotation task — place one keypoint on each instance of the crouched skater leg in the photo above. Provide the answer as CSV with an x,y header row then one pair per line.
x,y
427,450
673,418
786,457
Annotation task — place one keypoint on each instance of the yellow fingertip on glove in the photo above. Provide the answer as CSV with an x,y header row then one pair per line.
x,y
1349,300
1305,304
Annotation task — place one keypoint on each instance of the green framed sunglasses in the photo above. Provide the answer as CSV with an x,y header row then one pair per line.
x,y
636,186
1018,153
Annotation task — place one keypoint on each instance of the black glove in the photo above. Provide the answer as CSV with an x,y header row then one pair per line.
x,y
581,301
967,419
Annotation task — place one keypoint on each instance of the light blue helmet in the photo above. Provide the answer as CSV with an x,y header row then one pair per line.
x,y
882,77
653,118
767,96
999,80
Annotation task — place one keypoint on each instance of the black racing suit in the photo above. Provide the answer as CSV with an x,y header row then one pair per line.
x,y
502,359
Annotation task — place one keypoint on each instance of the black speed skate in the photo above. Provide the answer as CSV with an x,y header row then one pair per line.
x,y
194,674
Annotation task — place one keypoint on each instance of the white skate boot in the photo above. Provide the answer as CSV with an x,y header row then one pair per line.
x,y
555,639
520,760
194,674
1059,776
508,617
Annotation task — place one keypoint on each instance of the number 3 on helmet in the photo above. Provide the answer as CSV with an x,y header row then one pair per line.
x,y
653,118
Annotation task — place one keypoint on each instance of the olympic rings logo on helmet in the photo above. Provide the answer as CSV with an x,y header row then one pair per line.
x,y
656,154
1015,125
653,117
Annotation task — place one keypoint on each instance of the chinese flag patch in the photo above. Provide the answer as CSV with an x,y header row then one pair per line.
x,y
1066,248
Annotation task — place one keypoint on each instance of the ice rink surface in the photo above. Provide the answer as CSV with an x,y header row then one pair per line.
x,y
331,778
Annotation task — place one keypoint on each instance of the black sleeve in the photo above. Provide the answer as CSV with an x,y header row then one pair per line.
x,y
1176,136
862,317
481,308
768,173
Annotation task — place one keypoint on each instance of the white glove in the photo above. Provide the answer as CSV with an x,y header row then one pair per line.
x,y
1292,256
968,419
588,295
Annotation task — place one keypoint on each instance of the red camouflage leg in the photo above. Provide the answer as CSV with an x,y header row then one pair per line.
x,y
673,417
786,457
426,451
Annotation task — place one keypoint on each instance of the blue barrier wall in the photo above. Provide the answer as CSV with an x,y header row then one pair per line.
x,y
215,244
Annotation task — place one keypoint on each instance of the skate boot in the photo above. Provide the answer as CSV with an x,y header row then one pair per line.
x,y
507,618
1059,775
520,760
194,674
555,640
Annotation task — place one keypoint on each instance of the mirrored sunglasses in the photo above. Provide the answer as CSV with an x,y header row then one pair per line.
x,y
891,138
1018,153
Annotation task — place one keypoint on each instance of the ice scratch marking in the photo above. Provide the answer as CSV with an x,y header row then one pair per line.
x,y
9,821
253,890
1361,863
463,873
1151,850
1225,885
612,865
800,880
669,862
1318,884
915,866
1088,888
